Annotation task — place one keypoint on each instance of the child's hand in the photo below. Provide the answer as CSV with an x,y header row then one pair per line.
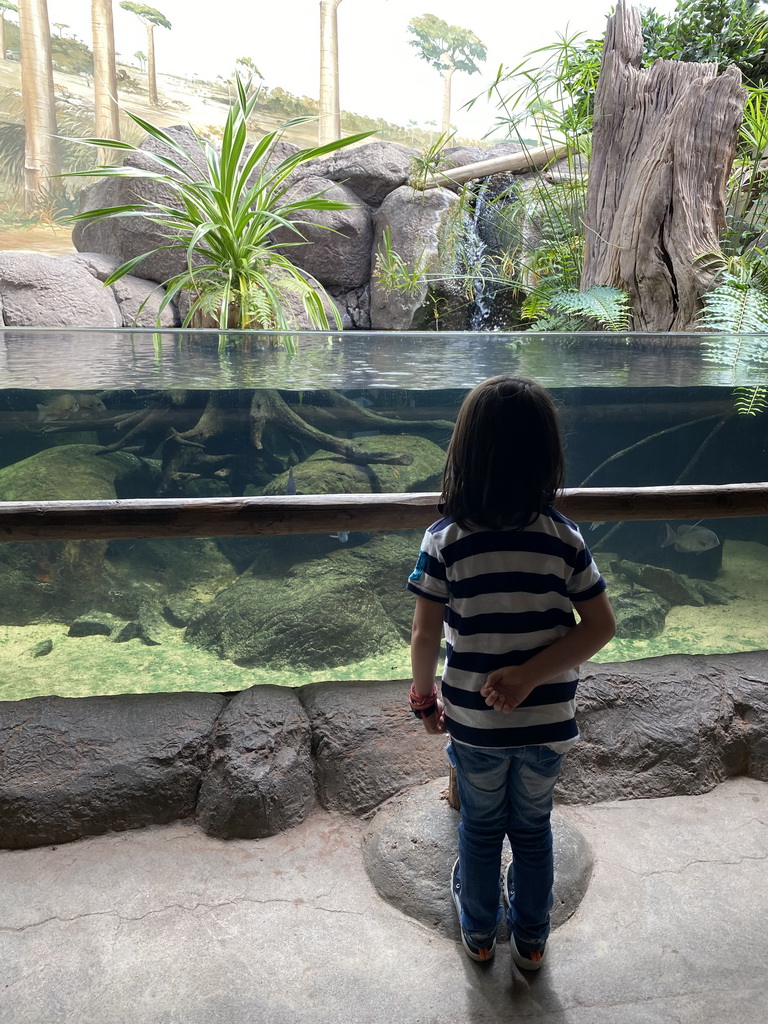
x,y
504,690
435,723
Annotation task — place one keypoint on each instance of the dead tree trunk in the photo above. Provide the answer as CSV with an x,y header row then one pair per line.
x,y
663,143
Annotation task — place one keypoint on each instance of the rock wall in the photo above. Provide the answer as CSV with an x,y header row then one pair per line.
x,y
340,251
254,763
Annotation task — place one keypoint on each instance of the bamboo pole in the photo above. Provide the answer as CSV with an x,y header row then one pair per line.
x,y
140,518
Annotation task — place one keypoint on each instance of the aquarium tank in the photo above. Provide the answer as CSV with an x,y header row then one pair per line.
x,y
113,414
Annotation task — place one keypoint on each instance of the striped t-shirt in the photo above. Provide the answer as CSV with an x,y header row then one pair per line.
x,y
508,594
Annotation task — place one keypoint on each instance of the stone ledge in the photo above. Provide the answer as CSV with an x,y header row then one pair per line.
x,y
253,764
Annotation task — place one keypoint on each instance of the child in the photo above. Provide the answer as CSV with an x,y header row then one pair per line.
x,y
501,574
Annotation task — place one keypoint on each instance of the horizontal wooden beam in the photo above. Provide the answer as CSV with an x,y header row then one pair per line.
x,y
139,518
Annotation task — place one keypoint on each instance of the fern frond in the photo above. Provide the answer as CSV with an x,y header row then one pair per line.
x,y
608,307
751,401
735,307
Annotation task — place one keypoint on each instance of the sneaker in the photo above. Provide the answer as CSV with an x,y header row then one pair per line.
x,y
481,953
525,956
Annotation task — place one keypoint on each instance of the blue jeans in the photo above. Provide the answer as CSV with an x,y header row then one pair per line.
x,y
506,791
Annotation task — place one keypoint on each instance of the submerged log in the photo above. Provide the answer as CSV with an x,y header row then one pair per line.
x,y
326,513
663,143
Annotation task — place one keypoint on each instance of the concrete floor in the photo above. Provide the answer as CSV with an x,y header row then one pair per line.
x,y
169,926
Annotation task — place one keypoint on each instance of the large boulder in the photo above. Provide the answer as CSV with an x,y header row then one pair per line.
x,y
62,580
76,767
138,300
419,225
47,291
76,472
410,846
68,291
327,473
371,171
124,238
260,780
337,243
367,744
281,621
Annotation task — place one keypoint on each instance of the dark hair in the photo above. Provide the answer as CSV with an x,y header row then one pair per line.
x,y
505,459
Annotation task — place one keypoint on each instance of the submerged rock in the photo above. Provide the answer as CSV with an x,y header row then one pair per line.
x,y
76,472
344,607
327,473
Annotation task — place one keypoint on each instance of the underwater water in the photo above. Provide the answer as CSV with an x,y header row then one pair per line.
x,y
120,414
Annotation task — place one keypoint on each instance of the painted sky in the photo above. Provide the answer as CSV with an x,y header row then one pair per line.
x,y
380,74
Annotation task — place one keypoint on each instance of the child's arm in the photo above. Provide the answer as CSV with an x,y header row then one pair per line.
x,y
507,687
426,634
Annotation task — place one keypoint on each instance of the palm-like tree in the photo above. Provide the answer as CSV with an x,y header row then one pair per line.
x,y
150,18
330,116
5,5
42,159
106,110
447,48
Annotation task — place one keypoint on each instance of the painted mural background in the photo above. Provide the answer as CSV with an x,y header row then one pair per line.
x,y
390,70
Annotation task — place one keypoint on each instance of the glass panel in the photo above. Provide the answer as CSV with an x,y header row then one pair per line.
x,y
127,414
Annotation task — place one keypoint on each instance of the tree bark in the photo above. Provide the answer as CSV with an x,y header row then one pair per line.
x,y
42,159
447,78
2,35
106,110
329,127
151,69
663,144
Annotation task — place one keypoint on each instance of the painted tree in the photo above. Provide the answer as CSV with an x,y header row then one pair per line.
x,y
42,159
330,114
150,18
5,5
447,48
106,110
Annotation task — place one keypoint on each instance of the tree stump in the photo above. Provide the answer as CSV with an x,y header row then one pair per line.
x,y
663,143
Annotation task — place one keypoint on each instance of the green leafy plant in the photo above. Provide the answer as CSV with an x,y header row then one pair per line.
x,y
598,308
392,272
223,218
718,31
426,164
736,312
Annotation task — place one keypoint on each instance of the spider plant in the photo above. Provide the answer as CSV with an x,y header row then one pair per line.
x,y
222,215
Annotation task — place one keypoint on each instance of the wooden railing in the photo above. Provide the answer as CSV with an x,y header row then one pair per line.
x,y
328,513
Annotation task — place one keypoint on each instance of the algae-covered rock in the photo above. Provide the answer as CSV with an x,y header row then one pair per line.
x,y
63,580
342,608
76,472
327,473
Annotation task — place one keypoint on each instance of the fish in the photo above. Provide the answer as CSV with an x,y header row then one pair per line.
x,y
290,484
342,536
90,405
691,539
59,408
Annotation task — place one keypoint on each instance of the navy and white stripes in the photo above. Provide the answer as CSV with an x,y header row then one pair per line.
x,y
508,595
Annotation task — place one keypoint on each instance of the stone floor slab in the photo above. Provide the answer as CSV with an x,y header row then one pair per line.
x,y
169,926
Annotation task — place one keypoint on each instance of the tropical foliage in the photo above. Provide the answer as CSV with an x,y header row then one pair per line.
x,y
223,220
